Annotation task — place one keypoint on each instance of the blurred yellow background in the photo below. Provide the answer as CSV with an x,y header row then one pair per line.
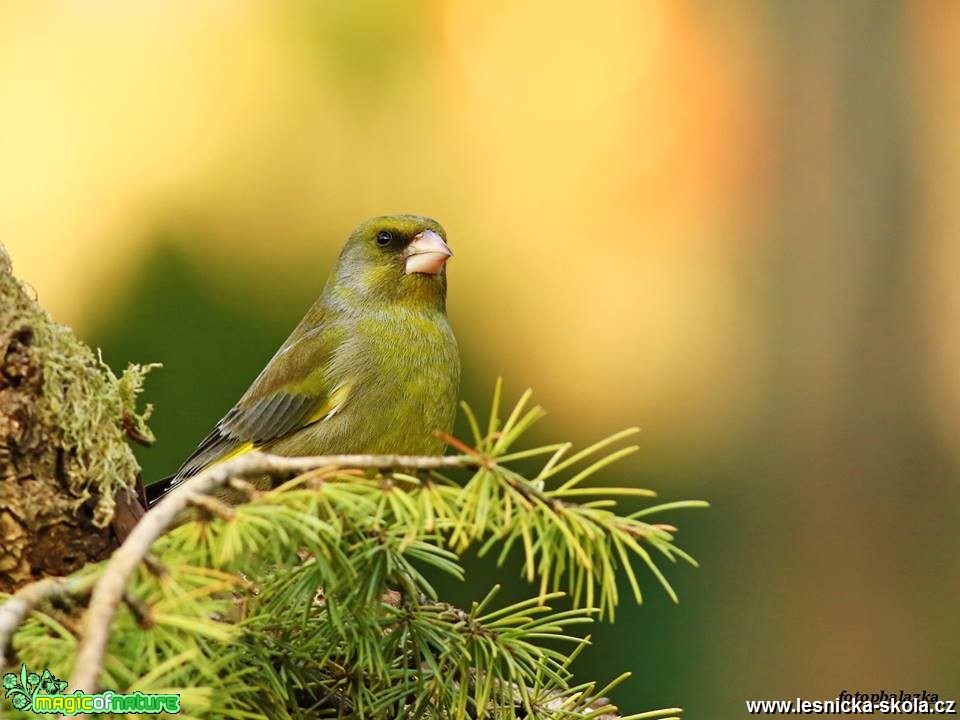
x,y
734,224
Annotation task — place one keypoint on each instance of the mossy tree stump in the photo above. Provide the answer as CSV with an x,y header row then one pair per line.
x,y
67,473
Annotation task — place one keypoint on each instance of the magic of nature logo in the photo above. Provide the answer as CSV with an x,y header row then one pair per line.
x,y
45,694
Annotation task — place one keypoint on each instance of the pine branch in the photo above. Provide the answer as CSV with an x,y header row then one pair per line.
x,y
18,606
110,588
294,585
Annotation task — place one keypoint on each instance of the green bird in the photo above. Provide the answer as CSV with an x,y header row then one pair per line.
x,y
373,367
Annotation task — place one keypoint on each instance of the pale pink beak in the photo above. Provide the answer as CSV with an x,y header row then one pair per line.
x,y
426,253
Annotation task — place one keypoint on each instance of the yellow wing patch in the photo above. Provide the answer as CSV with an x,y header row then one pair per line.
x,y
242,449
333,405
329,408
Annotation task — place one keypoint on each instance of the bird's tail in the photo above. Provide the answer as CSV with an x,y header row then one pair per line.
x,y
155,491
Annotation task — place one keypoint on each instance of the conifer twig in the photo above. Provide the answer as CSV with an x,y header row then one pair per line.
x,y
109,589
16,609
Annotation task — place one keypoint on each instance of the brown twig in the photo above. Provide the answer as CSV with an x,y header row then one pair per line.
x,y
111,586
141,611
213,507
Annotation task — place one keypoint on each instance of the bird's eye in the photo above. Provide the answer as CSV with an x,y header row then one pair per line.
x,y
384,238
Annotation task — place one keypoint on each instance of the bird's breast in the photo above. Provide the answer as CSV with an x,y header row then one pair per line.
x,y
408,376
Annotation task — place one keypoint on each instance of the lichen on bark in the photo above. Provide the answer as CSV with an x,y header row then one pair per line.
x,y
65,419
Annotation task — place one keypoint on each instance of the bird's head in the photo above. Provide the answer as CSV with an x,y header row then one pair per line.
x,y
395,258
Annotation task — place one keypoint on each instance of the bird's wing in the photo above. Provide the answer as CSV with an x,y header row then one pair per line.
x,y
292,392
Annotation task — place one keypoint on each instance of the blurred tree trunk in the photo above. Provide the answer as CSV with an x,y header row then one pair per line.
x,y
859,486
64,459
